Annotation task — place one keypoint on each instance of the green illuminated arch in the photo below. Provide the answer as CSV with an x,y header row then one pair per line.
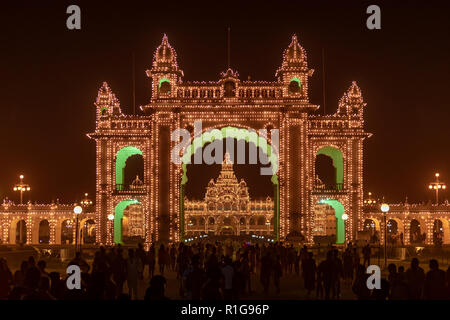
x,y
339,210
118,215
238,134
296,80
338,161
161,81
121,160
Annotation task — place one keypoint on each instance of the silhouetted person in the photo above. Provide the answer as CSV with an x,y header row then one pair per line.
x,y
162,258
277,273
6,279
415,277
134,266
435,282
266,267
195,279
366,254
119,271
309,273
359,287
141,255
156,290
151,258
227,275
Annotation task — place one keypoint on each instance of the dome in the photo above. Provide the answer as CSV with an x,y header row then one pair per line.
x,y
165,55
294,57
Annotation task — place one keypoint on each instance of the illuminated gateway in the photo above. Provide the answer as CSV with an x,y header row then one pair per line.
x,y
149,203
305,137
227,208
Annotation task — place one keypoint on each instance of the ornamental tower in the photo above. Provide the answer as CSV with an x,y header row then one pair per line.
x,y
164,73
294,72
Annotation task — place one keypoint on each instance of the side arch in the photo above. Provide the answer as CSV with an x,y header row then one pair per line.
x,y
118,215
121,160
338,161
339,211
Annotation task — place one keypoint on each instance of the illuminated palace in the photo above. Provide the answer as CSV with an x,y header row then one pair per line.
x,y
317,178
227,208
241,106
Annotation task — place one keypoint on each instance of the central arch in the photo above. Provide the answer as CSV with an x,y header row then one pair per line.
x,y
118,215
238,134
339,210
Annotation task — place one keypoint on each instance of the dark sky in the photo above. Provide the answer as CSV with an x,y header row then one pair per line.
x,y
50,77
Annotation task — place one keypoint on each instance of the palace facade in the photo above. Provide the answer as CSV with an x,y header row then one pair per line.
x,y
227,208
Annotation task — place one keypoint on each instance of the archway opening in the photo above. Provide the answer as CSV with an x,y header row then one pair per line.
x,y
226,137
393,236
87,232
438,233
44,232
294,85
339,211
21,232
164,86
338,163
325,173
67,232
415,232
134,168
121,161
129,222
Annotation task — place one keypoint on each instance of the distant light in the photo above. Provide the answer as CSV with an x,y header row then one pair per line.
x,y
77,210
437,175
344,216
384,207
110,217
21,176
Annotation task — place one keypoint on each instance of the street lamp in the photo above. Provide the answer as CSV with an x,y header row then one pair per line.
x,y
111,218
21,187
385,210
437,185
77,210
370,200
86,201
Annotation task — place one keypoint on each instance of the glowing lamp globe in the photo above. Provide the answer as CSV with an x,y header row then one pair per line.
x,y
77,210
345,217
384,207
110,217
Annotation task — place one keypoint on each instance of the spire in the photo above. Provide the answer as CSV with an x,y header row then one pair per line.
x,y
165,57
294,57
106,101
227,175
352,102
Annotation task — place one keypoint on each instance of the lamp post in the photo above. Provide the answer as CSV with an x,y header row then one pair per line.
x,y
111,219
21,187
437,185
86,201
385,210
77,210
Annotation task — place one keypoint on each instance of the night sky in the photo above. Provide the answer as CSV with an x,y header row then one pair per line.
x,y
50,77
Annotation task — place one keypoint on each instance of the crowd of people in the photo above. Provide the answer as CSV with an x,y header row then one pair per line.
x,y
216,271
